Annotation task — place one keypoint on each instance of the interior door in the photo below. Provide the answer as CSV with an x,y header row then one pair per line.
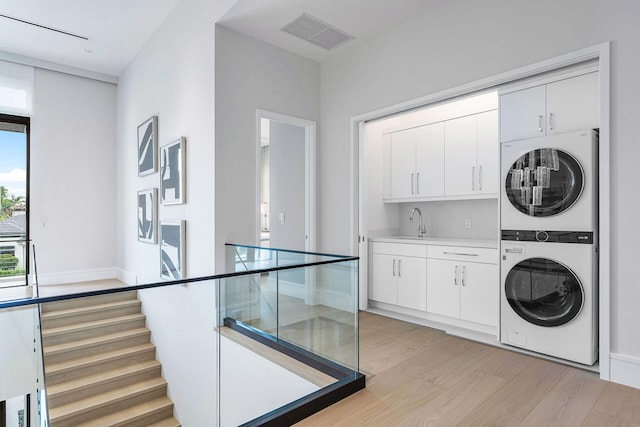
x,y
403,158
430,160
460,156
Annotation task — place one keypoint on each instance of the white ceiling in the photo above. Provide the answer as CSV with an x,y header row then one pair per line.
x,y
263,19
116,29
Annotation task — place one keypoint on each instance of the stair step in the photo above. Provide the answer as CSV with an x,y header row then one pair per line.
x,y
94,407
73,390
142,415
87,301
99,344
91,329
91,365
169,422
75,315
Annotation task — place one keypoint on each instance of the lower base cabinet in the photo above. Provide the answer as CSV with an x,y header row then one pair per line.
x,y
462,289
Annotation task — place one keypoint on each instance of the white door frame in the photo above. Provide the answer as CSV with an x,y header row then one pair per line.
x,y
600,52
309,173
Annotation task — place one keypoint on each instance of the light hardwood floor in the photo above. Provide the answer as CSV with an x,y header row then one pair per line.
x,y
418,376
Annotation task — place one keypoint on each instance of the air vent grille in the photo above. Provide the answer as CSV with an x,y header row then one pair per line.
x,y
317,32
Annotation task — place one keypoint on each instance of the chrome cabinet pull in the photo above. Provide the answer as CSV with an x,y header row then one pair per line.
x,y
464,274
412,183
458,253
473,178
540,123
455,277
399,268
418,183
550,121
394,267
480,177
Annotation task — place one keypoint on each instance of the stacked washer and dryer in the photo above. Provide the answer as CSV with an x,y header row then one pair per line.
x,y
549,248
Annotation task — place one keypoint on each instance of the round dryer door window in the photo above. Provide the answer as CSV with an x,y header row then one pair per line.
x,y
544,182
544,292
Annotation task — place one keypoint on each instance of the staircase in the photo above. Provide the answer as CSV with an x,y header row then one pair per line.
x,y
100,365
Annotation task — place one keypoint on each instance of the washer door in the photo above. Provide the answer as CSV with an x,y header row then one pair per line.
x,y
544,182
544,292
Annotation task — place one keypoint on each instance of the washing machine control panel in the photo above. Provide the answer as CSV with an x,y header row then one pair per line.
x,y
585,237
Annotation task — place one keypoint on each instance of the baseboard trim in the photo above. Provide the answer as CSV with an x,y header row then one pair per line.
x,y
624,370
77,276
126,277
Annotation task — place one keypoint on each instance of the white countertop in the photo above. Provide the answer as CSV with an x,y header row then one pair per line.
x,y
443,241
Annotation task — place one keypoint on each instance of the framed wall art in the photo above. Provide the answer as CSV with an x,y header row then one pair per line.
x,y
148,215
147,146
172,172
172,249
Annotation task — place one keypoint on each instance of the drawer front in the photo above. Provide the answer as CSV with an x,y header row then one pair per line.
x,y
464,254
399,249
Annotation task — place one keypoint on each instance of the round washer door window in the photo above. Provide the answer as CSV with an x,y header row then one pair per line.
x,y
544,182
544,292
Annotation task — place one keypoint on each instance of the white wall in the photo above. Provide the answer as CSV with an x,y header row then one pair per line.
x,y
460,41
173,78
251,75
287,186
73,164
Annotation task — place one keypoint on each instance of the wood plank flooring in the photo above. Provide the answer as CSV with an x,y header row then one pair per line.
x,y
418,376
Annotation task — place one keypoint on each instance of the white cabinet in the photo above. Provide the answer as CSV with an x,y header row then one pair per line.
x,y
562,106
399,275
471,155
416,163
463,289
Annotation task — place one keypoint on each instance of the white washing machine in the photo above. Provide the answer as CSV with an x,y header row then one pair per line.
x,y
549,295
550,183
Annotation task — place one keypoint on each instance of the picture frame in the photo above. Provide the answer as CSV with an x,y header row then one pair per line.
x,y
147,146
172,249
172,172
148,215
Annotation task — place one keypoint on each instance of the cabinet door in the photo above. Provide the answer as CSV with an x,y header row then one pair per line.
x,y
488,153
460,156
573,104
403,153
384,286
522,114
412,283
479,293
430,160
443,287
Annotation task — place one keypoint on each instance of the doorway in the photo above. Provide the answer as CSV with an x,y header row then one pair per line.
x,y
14,193
285,184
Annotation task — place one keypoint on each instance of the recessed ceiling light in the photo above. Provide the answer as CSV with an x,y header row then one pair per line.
x,y
317,32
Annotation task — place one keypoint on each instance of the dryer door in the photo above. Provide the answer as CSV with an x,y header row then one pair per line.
x,y
544,292
544,182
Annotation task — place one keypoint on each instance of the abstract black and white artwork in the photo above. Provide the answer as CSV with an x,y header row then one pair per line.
x,y
172,249
147,145
172,171
147,215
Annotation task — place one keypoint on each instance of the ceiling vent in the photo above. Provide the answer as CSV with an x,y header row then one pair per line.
x,y
317,32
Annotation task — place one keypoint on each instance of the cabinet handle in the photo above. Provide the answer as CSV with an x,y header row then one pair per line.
x,y
455,277
412,183
418,183
550,121
464,274
473,178
394,267
399,268
480,177
540,123
458,253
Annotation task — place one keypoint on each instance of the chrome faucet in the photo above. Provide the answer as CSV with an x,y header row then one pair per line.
x,y
422,230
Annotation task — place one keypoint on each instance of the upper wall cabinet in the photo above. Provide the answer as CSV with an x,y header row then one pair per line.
x,y
561,106
416,162
471,155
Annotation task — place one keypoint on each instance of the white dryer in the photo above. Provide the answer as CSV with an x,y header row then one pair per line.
x,y
549,294
550,183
